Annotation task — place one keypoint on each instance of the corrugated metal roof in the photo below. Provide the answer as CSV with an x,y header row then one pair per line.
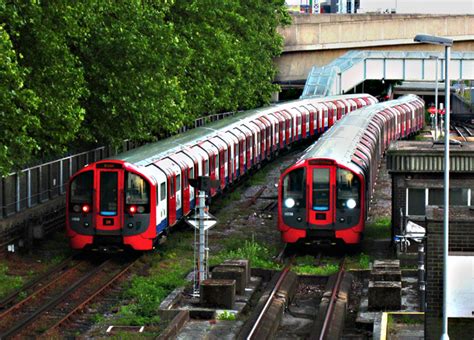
x,y
416,156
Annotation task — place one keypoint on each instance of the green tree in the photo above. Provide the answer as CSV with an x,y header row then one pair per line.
x,y
40,32
16,105
128,59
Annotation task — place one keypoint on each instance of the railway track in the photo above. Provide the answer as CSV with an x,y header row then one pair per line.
x,y
275,302
327,322
55,297
464,131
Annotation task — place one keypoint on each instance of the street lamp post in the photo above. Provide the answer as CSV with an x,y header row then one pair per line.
x,y
436,96
447,43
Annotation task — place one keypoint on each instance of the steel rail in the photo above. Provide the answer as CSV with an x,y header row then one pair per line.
x,y
35,293
458,131
34,282
82,304
332,302
32,317
275,289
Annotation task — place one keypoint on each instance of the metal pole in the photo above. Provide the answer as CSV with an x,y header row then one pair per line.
x,y
436,101
445,335
202,238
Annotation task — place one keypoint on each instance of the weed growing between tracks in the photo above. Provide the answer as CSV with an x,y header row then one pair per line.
x,y
8,282
258,255
167,271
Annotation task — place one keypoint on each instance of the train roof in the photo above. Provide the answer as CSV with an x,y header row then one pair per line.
x,y
341,140
148,153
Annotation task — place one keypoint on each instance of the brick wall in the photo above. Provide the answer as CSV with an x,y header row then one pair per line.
x,y
461,239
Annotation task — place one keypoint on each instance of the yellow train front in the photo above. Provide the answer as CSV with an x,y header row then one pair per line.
x,y
324,196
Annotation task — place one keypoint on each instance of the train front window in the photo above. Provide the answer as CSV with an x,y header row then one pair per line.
x,y
321,189
108,193
136,189
294,189
348,190
81,188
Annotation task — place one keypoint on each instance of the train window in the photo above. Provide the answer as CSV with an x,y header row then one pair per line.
x,y
162,191
416,202
321,189
294,189
217,161
348,190
178,183
191,172
136,189
206,168
108,193
81,188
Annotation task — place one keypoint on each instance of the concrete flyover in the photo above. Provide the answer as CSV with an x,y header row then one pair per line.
x,y
316,40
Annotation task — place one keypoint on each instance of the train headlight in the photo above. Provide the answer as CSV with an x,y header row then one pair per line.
x,y
351,203
290,203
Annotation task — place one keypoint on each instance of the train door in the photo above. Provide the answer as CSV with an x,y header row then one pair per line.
x,y
109,205
161,203
311,122
185,202
321,198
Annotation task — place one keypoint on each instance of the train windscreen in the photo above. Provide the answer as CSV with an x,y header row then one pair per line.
x,y
294,189
82,188
348,190
137,192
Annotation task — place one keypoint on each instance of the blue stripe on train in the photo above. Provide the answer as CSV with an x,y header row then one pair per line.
x,y
162,226
179,213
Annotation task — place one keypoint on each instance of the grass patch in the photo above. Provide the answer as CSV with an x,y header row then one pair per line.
x,y
325,270
167,271
258,178
8,283
258,255
378,229
226,315
360,261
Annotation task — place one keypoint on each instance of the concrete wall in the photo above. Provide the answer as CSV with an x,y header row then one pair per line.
x,y
319,39
461,234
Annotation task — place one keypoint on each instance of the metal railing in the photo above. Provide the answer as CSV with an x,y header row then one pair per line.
x,y
32,186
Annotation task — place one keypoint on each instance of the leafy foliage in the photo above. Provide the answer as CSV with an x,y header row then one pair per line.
x,y
77,74
16,106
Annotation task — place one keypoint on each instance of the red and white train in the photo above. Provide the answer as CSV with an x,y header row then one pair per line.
x,y
133,198
324,196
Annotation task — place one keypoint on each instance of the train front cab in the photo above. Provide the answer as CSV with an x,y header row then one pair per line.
x,y
108,206
321,202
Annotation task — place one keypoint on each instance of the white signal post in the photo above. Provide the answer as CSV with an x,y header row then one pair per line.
x,y
202,222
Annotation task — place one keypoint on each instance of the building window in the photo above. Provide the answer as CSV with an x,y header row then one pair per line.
x,y
457,196
416,202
